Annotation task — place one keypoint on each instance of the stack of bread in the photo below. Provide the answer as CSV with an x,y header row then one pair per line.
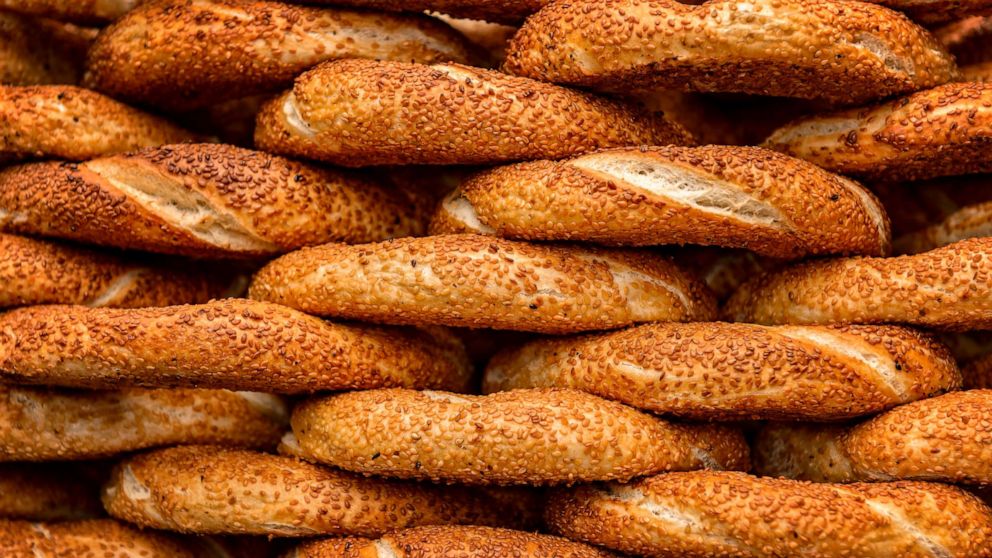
x,y
487,278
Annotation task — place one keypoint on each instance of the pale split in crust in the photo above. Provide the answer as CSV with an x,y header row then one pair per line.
x,y
538,437
832,51
230,344
187,54
946,438
48,492
39,52
67,122
948,288
191,488
502,11
708,514
42,272
361,113
444,541
479,281
735,197
38,424
201,200
84,11
942,131
103,538
720,371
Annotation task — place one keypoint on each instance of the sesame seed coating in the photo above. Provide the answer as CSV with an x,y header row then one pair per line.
x,y
479,281
85,11
942,131
361,112
202,200
203,489
707,514
99,538
721,371
537,437
946,438
186,54
36,52
47,492
44,425
937,11
41,272
67,122
450,542
837,52
231,344
737,197
947,288
502,11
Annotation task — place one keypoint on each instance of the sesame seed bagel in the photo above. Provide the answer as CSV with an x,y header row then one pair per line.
x,y
721,371
229,344
41,272
45,425
186,54
938,11
47,492
538,437
66,122
86,11
948,288
103,538
445,114
478,281
502,11
201,200
191,489
942,131
445,541
37,52
972,221
707,514
946,438
836,52
736,197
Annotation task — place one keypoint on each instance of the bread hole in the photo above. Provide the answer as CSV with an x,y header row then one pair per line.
x,y
385,549
294,120
460,209
683,185
877,46
10,217
117,289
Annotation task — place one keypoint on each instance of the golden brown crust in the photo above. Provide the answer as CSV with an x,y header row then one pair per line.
x,y
445,114
47,492
230,344
45,425
838,52
541,436
478,281
444,541
205,489
40,272
708,514
502,11
203,200
947,288
719,371
931,12
191,53
942,131
85,11
103,538
37,52
946,438
736,197
66,122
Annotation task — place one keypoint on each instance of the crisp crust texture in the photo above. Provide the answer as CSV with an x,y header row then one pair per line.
x,y
720,371
478,281
39,52
735,197
40,272
942,131
202,200
931,12
947,288
558,436
721,514
837,52
444,541
360,113
191,53
503,11
67,122
46,425
946,438
47,492
84,11
230,344
103,538
191,488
